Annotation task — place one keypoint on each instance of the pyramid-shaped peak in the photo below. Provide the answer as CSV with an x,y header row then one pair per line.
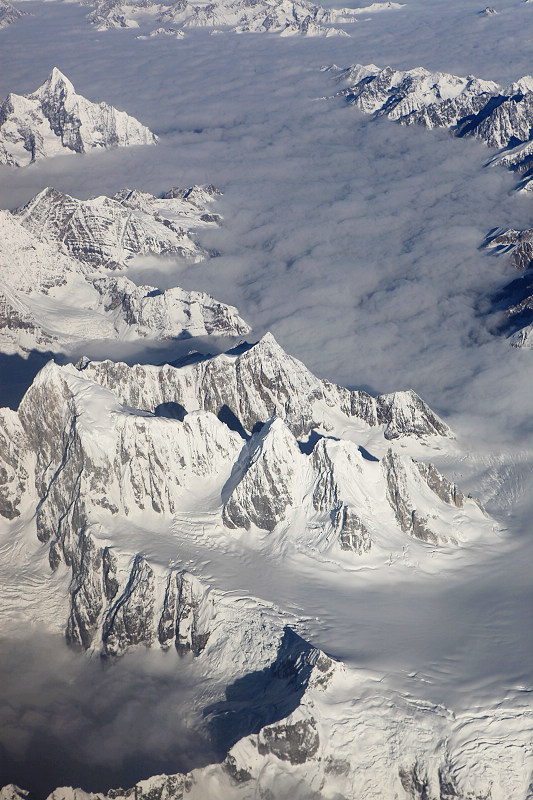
x,y
57,77
48,191
275,426
56,84
267,344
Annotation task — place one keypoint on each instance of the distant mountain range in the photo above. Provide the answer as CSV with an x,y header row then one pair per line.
x,y
8,14
502,117
285,17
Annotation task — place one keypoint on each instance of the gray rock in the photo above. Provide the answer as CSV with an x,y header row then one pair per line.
x,y
130,620
180,619
398,497
87,595
264,486
14,451
9,14
262,382
353,534
297,742
443,488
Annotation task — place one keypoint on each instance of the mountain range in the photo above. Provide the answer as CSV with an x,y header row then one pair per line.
x,y
301,18
297,574
502,117
245,444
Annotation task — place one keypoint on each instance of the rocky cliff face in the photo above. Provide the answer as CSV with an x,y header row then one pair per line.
x,y
54,119
106,232
266,480
15,464
516,298
254,383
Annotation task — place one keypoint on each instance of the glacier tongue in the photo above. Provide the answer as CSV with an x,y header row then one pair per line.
x,y
54,119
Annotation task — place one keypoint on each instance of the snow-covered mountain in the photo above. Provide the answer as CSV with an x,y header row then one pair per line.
x,y
502,117
258,382
516,298
102,453
104,442
286,17
108,231
347,737
301,724
57,253
8,14
55,120
293,573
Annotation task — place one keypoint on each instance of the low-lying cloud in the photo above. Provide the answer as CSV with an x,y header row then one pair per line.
x,y
66,719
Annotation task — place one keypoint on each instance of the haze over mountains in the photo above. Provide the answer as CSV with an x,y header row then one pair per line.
x,y
302,18
224,574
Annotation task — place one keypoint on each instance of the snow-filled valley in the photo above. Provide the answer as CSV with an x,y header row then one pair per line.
x,y
265,518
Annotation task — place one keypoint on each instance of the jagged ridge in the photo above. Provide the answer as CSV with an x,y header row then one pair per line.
x,y
502,117
301,18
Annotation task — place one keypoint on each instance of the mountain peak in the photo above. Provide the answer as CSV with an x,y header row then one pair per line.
x,y
54,119
57,77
